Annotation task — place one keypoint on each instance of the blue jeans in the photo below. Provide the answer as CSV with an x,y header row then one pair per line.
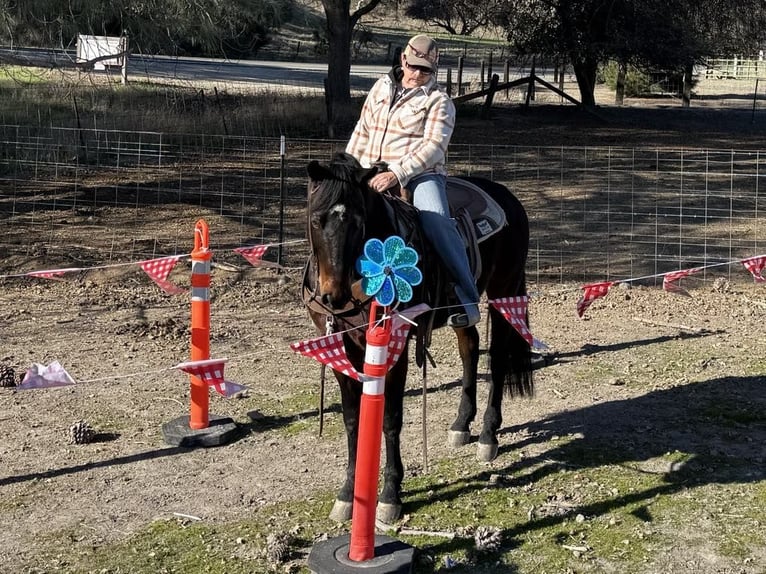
x,y
430,197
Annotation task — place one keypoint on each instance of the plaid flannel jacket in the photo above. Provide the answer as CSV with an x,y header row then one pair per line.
x,y
411,135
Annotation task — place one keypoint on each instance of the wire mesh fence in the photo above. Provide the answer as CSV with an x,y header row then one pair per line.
x,y
90,197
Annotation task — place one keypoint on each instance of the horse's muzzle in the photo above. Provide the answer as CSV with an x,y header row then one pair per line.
x,y
334,294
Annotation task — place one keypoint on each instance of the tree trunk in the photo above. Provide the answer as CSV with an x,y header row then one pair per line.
x,y
687,88
619,94
585,72
338,85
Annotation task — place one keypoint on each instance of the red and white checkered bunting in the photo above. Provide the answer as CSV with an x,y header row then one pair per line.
x,y
227,388
158,270
252,254
514,309
591,292
328,350
755,265
669,280
210,371
50,274
400,330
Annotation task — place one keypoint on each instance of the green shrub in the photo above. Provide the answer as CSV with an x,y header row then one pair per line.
x,y
637,82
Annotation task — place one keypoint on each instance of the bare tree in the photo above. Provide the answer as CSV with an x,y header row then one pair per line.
x,y
340,26
459,17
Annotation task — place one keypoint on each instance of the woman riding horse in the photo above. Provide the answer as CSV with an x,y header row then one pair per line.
x,y
343,213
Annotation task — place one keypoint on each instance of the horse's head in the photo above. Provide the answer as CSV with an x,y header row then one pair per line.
x,y
337,214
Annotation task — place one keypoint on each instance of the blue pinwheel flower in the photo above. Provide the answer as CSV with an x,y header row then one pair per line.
x,y
388,270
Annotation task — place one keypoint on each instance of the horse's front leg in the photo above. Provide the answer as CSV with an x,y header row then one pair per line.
x,y
390,502
468,345
350,394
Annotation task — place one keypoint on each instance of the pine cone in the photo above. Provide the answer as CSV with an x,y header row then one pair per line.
x,y
277,547
487,538
7,376
80,433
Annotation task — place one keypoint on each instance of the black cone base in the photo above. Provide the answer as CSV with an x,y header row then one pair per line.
x,y
331,557
220,430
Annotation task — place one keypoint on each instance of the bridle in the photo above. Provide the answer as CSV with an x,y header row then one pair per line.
x,y
311,298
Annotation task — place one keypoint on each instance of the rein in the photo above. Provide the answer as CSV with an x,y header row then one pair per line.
x,y
311,299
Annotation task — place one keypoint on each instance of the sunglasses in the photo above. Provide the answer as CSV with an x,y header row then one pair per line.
x,y
422,69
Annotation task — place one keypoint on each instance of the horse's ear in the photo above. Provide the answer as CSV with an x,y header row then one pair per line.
x,y
317,171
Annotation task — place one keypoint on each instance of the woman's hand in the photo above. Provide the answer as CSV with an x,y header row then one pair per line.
x,y
383,181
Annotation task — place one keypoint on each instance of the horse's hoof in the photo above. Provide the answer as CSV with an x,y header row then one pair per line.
x,y
486,452
456,439
341,511
388,513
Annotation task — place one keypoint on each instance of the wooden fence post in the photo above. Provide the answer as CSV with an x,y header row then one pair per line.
x,y
460,75
485,112
489,65
506,75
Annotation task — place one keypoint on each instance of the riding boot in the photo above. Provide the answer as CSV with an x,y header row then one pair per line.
x,y
442,233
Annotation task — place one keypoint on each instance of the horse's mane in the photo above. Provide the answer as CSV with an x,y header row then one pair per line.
x,y
342,186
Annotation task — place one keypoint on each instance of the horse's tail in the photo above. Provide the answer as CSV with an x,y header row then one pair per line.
x,y
518,379
510,356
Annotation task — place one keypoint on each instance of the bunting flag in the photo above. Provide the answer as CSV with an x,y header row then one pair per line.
x,y
158,270
45,377
755,265
328,350
210,371
51,273
514,309
400,329
591,292
669,280
252,254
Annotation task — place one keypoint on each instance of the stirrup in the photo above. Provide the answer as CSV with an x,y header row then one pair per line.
x,y
470,314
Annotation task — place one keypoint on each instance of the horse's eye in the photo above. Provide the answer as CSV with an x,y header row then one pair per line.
x,y
316,221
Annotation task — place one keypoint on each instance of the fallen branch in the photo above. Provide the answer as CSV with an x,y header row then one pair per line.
x,y
414,532
695,330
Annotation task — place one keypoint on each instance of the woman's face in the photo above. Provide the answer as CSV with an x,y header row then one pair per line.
x,y
414,76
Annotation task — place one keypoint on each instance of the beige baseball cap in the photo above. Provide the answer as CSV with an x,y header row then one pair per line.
x,y
421,50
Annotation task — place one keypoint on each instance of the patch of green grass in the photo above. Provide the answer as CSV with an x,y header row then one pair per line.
x,y
180,545
552,518
572,512
19,75
297,413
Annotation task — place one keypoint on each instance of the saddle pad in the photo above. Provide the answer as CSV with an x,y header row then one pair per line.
x,y
487,216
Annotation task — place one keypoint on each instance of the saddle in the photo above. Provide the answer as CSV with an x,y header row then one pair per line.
x,y
477,215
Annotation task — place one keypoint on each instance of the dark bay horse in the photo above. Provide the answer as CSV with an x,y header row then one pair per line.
x,y
343,213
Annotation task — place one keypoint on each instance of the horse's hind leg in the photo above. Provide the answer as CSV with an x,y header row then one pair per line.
x,y
389,502
351,393
468,345
499,360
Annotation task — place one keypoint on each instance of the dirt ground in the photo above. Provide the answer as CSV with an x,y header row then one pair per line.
x,y
118,335
634,363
